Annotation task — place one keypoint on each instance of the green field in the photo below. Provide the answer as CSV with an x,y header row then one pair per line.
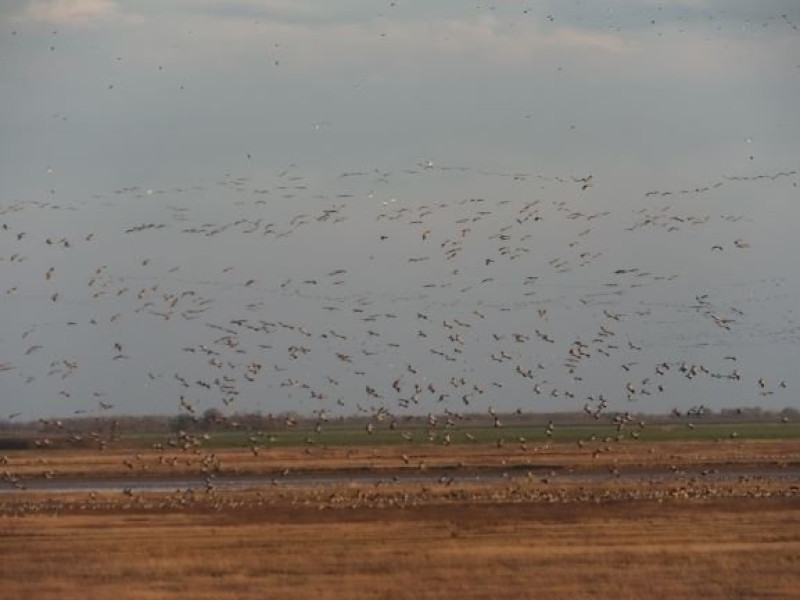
x,y
347,436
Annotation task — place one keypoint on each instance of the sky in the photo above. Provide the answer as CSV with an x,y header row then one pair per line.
x,y
356,206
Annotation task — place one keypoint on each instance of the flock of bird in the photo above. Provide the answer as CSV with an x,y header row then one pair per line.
x,y
355,299
431,290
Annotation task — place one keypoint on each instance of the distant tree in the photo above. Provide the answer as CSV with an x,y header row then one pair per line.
x,y
212,418
182,423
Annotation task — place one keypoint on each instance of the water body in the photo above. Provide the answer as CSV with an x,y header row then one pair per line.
x,y
788,475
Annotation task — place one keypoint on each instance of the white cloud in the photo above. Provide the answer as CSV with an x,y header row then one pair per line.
x,y
407,46
75,11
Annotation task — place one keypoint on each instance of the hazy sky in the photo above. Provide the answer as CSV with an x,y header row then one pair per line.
x,y
182,183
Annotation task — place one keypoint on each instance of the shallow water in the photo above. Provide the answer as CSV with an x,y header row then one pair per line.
x,y
788,475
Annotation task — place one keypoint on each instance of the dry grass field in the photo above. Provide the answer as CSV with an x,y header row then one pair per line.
x,y
238,461
521,538
727,548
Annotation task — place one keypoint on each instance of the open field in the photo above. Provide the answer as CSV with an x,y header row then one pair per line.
x,y
466,434
591,455
487,435
521,537
504,542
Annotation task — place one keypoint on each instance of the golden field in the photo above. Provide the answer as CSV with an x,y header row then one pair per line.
x,y
115,462
520,538
727,548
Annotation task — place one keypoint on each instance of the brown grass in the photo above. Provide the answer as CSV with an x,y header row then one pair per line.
x,y
731,548
153,463
521,538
